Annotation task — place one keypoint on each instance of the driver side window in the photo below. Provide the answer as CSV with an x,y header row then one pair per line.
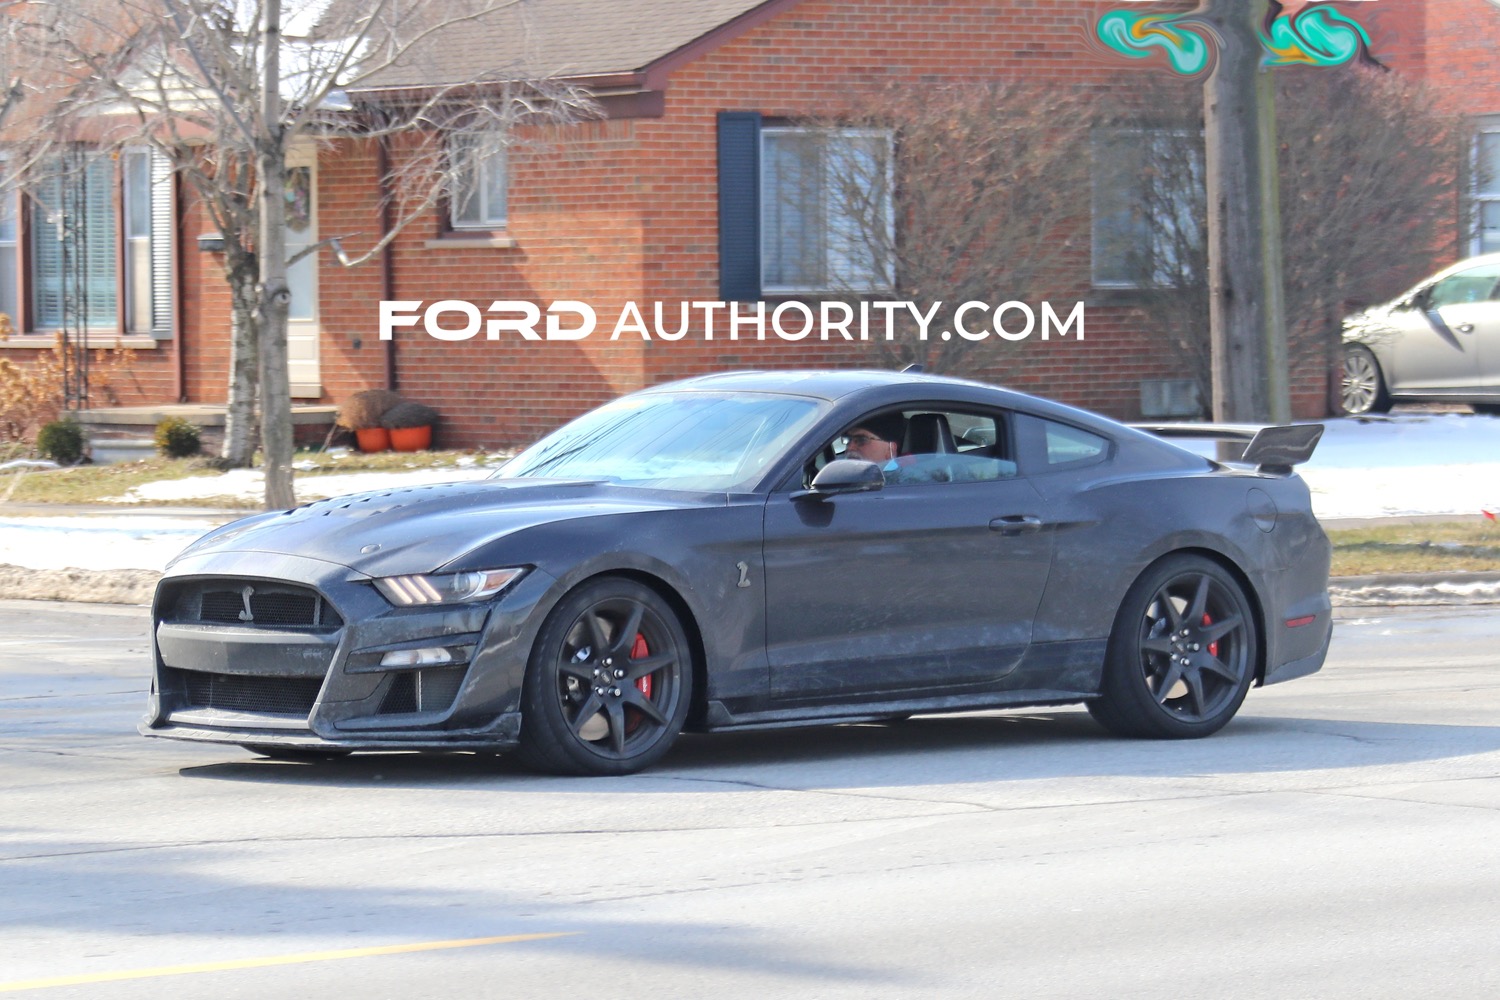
x,y
921,445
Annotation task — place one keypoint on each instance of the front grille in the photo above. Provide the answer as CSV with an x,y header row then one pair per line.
x,y
251,603
237,693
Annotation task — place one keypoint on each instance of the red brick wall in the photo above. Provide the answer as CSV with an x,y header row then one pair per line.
x,y
626,210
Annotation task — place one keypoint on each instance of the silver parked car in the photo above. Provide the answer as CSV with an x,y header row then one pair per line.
x,y
1440,342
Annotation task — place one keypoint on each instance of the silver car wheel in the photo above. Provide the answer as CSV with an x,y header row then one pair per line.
x,y
1363,388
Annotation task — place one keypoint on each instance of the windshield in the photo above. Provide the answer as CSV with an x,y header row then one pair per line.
x,y
671,440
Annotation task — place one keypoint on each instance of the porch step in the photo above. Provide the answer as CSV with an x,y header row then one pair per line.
x,y
111,450
123,433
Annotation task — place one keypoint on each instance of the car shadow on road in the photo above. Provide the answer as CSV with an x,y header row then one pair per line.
x,y
932,750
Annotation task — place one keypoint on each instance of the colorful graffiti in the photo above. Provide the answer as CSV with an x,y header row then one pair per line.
x,y
1316,36
1141,36
1296,33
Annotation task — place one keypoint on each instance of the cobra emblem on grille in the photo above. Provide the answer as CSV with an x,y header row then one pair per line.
x,y
247,615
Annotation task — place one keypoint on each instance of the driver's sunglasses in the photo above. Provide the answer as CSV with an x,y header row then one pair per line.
x,y
861,439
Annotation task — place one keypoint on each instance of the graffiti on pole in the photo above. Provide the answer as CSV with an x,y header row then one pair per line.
x,y
1295,34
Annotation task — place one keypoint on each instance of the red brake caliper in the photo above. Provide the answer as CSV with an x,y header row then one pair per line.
x,y
1213,647
640,651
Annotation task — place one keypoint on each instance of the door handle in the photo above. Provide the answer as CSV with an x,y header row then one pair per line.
x,y
1466,328
1016,524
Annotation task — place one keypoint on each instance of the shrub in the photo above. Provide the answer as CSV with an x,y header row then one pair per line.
x,y
177,438
31,391
408,414
61,441
362,410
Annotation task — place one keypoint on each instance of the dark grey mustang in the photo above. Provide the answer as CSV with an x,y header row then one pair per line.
x,y
698,556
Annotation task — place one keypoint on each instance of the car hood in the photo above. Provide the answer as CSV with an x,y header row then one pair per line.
x,y
420,529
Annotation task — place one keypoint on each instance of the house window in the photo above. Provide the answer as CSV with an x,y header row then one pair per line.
x,y
1147,203
99,233
825,210
73,234
9,248
479,182
136,201
1487,189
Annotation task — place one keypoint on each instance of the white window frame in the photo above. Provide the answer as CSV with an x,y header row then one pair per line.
x,y
1485,190
875,276
476,157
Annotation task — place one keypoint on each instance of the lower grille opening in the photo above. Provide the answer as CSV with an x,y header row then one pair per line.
x,y
237,693
430,690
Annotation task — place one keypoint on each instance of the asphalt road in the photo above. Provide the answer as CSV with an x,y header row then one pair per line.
x,y
1341,838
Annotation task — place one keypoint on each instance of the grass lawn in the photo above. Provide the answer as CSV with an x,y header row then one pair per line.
x,y
91,484
1417,548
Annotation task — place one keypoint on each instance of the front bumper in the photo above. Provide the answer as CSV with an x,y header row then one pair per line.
x,y
300,666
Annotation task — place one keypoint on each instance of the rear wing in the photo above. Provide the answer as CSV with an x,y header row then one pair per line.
x,y
1272,450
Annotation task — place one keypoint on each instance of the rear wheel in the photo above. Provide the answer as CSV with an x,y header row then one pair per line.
x,y
1182,653
609,682
1363,388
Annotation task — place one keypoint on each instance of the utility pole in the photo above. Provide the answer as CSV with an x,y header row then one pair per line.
x,y
275,296
1247,320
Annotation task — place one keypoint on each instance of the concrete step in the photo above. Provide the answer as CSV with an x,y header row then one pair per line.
x,y
111,451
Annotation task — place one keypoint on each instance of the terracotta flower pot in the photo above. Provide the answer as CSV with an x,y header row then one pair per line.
x,y
411,438
373,438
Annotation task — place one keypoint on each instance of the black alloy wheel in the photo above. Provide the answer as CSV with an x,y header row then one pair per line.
x,y
1362,389
609,682
1182,654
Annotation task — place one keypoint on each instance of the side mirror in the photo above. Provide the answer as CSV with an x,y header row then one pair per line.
x,y
847,475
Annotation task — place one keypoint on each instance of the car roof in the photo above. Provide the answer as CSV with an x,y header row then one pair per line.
x,y
822,383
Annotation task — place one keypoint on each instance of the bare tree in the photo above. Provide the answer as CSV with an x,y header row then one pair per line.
x,y
225,89
938,195
1370,176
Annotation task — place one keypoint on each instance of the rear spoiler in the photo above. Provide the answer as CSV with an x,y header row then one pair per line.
x,y
1272,450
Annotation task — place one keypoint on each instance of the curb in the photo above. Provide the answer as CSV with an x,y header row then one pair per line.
x,y
137,586
1403,589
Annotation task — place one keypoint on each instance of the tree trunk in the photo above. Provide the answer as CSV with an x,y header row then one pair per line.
x,y
275,296
244,364
1246,323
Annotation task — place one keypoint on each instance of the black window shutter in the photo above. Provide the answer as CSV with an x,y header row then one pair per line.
x,y
739,206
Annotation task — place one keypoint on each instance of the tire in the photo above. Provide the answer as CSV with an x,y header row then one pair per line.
x,y
609,682
300,754
1362,388
1182,653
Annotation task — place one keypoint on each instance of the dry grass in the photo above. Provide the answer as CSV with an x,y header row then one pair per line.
x,y
92,484
1417,548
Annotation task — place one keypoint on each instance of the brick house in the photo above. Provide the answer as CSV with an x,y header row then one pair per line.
x,y
657,201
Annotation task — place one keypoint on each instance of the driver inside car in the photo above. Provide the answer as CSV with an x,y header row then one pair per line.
x,y
877,439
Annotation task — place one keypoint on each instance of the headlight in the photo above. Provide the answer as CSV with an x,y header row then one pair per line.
x,y
449,588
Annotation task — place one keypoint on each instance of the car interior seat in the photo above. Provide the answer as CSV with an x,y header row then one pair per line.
x,y
928,434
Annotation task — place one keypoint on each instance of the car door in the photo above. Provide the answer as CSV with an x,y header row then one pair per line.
x,y
1439,339
930,583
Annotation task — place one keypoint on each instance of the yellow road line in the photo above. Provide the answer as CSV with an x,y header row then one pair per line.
x,y
262,963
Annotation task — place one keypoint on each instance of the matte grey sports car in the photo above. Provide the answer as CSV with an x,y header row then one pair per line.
x,y
700,556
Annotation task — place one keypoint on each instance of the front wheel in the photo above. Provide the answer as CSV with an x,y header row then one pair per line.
x,y
1363,388
608,684
1182,653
